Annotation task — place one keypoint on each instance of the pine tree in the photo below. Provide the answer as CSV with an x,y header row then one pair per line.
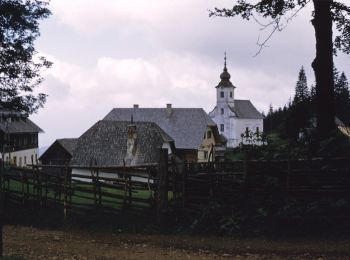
x,y
299,116
301,89
342,98
270,110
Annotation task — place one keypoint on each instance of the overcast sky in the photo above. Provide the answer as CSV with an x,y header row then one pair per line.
x,y
116,53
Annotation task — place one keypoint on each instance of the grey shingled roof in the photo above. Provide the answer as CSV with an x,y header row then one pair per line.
x,y
20,125
106,144
186,126
245,109
69,144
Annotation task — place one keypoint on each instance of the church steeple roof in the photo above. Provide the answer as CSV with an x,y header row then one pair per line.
x,y
225,77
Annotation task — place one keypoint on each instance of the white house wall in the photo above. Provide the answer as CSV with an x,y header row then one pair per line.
x,y
87,173
23,157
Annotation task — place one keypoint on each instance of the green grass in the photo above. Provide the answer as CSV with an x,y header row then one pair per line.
x,y
12,258
114,203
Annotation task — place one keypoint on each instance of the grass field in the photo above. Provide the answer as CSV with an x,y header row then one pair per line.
x,y
85,194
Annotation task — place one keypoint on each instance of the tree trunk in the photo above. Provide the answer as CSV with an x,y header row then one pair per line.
x,y
323,68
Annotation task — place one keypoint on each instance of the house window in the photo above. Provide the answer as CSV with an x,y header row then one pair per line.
x,y
222,94
15,160
257,130
25,160
20,161
209,134
205,154
230,94
246,131
222,127
222,111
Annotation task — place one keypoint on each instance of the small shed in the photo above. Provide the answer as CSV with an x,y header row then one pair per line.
x,y
60,152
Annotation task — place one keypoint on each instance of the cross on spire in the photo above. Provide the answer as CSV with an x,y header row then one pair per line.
x,y
225,59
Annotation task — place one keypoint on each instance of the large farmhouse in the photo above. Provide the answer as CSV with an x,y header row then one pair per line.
x,y
18,138
195,135
234,117
109,143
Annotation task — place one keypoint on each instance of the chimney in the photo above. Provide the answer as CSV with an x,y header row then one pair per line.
x,y
131,144
169,109
136,106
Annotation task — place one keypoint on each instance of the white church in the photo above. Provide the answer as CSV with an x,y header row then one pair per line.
x,y
234,117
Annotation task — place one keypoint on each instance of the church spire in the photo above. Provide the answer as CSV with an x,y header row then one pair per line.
x,y
225,61
225,76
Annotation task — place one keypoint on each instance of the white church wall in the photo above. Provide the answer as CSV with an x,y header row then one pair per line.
x,y
242,124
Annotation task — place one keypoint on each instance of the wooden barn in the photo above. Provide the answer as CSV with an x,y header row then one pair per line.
x,y
60,152
113,143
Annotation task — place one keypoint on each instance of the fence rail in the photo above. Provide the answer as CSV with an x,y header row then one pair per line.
x,y
204,183
76,188
188,186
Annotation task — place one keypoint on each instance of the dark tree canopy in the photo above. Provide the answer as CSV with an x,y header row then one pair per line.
x,y
20,65
327,14
342,97
296,118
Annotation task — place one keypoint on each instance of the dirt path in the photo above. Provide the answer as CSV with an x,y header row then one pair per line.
x,y
33,243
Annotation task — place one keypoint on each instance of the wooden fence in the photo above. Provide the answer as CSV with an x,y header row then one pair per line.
x,y
79,188
200,184
188,186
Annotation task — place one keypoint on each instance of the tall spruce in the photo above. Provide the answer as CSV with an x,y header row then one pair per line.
x,y
342,97
302,94
299,115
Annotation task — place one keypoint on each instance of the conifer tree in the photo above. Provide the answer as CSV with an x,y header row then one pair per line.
x,y
342,98
302,94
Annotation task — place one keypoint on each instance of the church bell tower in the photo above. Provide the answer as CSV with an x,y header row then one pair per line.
x,y
225,89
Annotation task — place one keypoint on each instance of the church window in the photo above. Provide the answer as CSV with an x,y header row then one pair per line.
x,y
231,94
222,94
205,154
222,127
222,111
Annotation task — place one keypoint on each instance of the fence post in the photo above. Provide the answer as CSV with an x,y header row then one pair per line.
x,y
289,169
99,187
65,193
1,205
162,186
183,183
245,168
